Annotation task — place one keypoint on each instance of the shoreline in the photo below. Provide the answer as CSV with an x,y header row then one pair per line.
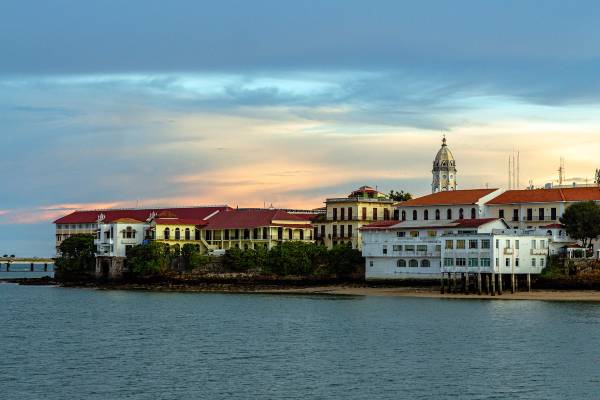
x,y
334,289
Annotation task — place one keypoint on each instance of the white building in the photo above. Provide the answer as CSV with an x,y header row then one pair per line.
x,y
413,249
113,239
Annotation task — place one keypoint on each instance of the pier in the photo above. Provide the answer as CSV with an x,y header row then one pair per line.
x,y
472,283
31,265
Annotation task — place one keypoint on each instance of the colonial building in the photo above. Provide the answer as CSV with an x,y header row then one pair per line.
x,y
255,228
444,170
345,216
447,205
113,239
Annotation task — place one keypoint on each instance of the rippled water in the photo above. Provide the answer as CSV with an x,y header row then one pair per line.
x,y
88,344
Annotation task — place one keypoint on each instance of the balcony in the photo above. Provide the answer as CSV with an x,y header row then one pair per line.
x,y
539,252
509,251
105,241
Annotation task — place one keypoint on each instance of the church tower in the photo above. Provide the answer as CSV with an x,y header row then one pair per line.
x,y
444,170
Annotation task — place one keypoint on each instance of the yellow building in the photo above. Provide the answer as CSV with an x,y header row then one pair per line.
x,y
344,216
179,231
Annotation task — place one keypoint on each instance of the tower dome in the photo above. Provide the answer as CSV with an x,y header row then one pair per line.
x,y
444,170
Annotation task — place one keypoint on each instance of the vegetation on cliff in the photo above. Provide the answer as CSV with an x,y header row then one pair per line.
x,y
76,256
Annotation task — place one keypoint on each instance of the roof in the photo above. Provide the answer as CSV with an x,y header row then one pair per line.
x,y
459,223
91,216
254,218
554,195
450,197
552,226
127,220
443,154
179,221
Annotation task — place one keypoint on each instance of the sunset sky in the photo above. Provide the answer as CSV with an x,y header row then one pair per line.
x,y
148,103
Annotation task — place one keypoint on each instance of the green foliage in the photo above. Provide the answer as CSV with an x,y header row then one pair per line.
x,y
582,221
192,258
343,260
77,254
238,260
400,196
149,259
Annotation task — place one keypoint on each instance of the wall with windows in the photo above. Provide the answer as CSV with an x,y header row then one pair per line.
x,y
113,239
439,213
178,234
254,238
530,215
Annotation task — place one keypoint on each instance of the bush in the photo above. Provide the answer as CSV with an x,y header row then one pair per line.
x,y
77,256
149,259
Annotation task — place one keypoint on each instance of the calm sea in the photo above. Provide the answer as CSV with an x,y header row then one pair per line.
x,y
89,344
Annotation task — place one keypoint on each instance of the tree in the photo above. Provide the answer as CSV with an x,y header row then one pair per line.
x,y
76,254
400,196
149,259
582,222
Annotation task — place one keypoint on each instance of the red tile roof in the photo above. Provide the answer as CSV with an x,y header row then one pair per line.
x,y
180,221
547,195
451,197
459,223
91,216
254,218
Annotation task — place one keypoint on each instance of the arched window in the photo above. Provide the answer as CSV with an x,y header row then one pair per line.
x,y
290,234
177,234
167,234
461,214
414,215
129,233
426,215
549,232
403,215
413,263
473,213
437,214
401,263
425,264
187,233
449,214
246,233
197,234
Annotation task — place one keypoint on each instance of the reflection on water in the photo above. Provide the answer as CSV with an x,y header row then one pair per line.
x,y
77,343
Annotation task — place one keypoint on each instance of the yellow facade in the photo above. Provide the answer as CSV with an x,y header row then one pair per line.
x,y
254,238
178,233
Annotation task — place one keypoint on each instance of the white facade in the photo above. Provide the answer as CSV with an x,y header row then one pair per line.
x,y
113,239
501,251
413,250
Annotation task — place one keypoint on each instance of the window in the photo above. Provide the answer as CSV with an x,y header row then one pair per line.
x,y
290,234
541,262
426,215
246,233
177,234
226,234
335,214
414,233
473,243
374,214
342,213
517,262
500,213
255,233
460,244
322,231
533,262
448,262
196,234
507,262
187,234
403,215
432,233
386,214
371,263
541,214
425,264
461,262
342,231
497,243
533,244
414,215
515,214
485,243
349,213
384,249
334,231
507,244
529,214
397,247
449,244
421,247
401,263
409,247
473,213
280,233
437,214
473,262
349,230
485,262
542,244
237,234
396,215
301,234
461,214
401,234
167,233
553,214
497,262
517,244
448,214
413,264
364,213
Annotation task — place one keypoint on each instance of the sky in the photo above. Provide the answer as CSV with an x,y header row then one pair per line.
x,y
153,103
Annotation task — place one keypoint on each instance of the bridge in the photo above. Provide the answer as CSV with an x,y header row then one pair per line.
x,y
7,264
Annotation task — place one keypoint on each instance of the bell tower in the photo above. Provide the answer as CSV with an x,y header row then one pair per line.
x,y
444,170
